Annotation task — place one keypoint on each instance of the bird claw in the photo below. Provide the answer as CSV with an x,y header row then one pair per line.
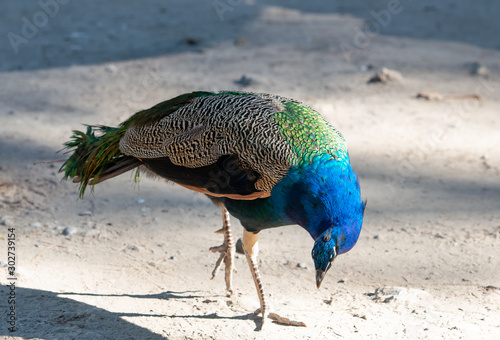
x,y
278,319
219,231
223,253
226,255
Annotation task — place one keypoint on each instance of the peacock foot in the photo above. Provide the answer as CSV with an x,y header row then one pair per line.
x,y
227,251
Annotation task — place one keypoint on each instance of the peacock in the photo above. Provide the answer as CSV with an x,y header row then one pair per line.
x,y
267,160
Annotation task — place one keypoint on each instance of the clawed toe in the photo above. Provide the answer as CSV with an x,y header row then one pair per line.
x,y
221,248
226,250
225,253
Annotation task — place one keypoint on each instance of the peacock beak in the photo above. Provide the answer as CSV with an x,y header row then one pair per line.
x,y
320,275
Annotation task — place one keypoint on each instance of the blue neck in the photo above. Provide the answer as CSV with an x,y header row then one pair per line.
x,y
326,195
318,196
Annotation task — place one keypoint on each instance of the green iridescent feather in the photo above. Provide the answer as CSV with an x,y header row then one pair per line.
x,y
309,134
92,153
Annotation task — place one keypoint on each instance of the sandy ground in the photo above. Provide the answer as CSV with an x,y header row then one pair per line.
x,y
427,264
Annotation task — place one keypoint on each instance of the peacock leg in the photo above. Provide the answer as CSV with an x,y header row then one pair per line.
x,y
251,248
226,251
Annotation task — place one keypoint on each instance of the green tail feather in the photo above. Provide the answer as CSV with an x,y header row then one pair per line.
x,y
92,154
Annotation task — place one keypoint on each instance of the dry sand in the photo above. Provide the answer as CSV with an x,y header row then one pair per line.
x,y
427,264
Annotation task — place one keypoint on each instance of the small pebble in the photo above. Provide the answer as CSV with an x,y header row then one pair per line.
x,y
7,223
85,213
111,68
301,265
389,299
171,258
140,201
479,70
386,75
244,81
69,230
192,41
35,225
239,246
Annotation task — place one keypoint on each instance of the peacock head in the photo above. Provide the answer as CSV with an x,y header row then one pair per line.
x,y
324,252
337,239
327,202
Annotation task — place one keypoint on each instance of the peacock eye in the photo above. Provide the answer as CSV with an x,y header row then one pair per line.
x,y
327,238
